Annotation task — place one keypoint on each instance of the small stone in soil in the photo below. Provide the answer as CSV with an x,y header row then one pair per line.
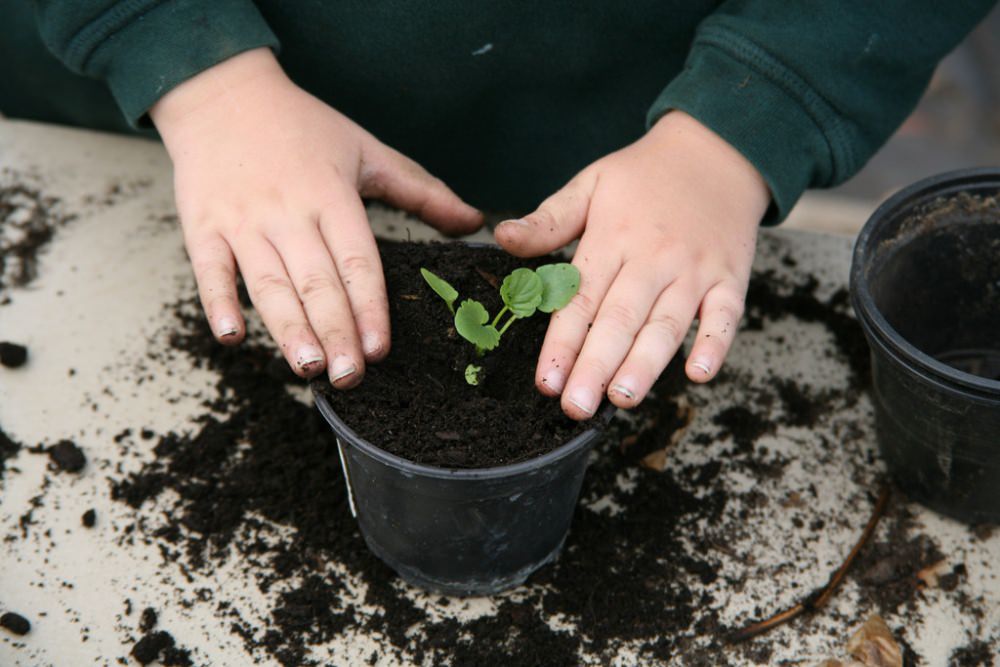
x,y
67,456
13,355
16,623
89,518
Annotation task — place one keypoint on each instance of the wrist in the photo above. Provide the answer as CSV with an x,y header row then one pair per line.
x,y
230,84
714,158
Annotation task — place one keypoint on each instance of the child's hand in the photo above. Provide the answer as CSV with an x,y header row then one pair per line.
x,y
668,227
270,179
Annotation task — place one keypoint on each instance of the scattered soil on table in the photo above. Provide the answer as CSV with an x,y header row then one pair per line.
x,y
89,518
8,449
13,355
66,456
417,404
975,654
28,220
16,623
636,574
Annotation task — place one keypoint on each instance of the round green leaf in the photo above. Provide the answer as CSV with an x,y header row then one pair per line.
x,y
560,283
470,323
521,291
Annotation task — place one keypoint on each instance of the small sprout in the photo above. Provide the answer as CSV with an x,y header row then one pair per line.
x,y
470,323
523,292
442,288
560,283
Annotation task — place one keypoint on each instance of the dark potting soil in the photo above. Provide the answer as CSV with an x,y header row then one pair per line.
x,y
13,355
416,404
637,575
89,518
28,220
16,623
67,456
8,449
975,654
161,646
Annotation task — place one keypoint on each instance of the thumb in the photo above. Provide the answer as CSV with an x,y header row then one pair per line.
x,y
557,221
390,176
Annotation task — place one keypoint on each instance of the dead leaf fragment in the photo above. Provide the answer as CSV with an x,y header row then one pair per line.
x,y
930,574
873,645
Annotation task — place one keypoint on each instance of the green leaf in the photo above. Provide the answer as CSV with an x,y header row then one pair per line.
x,y
470,323
441,288
521,291
472,374
560,283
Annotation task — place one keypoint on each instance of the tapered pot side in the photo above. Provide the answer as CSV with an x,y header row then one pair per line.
x,y
462,531
925,284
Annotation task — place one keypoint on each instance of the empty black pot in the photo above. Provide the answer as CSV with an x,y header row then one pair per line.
x,y
925,284
462,532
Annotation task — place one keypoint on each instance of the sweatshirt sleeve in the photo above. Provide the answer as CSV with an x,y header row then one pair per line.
x,y
143,48
809,90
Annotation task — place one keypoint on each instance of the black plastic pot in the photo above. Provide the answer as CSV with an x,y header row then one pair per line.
x,y
925,284
462,532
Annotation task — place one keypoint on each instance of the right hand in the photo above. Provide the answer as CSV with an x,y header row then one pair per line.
x,y
270,179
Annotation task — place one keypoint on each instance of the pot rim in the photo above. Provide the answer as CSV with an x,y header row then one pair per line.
x,y
578,442
874,323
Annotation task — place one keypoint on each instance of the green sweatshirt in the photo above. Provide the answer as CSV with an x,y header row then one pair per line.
x,y
507,100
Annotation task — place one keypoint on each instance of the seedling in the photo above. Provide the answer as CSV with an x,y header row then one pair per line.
x,y
524,292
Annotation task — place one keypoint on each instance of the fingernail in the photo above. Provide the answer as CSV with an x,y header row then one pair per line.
x,y
308,355
623,391
341,367
227,326
583,398
371,343
555,380
702,366
520,222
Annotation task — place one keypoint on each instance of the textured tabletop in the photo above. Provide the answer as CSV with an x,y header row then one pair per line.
x,y
218,502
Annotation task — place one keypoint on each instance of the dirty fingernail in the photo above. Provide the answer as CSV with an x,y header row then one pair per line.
x,y
341,367
371,343
520,222
583,398
227,326
624,391
555,380
702,366
308,356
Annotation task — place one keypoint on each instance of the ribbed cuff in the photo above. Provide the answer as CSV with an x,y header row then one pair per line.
x,y
764,110
144,48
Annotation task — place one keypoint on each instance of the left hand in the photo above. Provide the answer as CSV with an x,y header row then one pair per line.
x,y
667,228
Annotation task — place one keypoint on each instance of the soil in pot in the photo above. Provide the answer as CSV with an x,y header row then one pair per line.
x,y
416,404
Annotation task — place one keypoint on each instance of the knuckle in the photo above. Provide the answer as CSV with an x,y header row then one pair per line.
x,y
269,286
584,304
667,326
355,265
316,283
621,316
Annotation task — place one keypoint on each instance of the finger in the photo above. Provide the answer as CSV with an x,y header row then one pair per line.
x,y
568,326
215,273
721,311
557,221
389,175
321,292
274,297
656,344
345,229
619,318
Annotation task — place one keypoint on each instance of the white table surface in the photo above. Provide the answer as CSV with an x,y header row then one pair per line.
x,y
100,295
